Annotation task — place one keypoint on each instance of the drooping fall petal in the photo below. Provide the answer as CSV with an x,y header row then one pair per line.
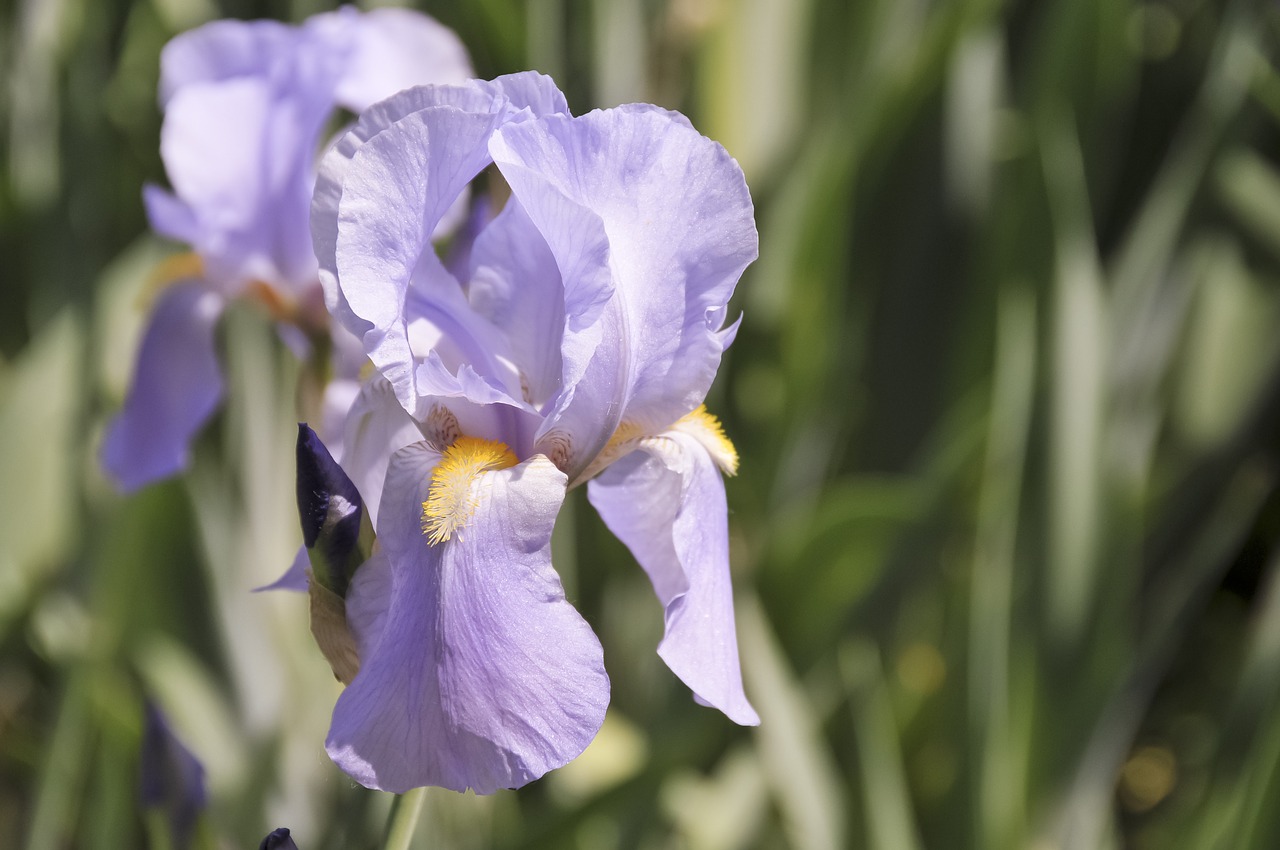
x,y
176,387
482,675
666,502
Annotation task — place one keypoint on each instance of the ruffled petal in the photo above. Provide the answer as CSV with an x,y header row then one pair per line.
x,y
176,387
516,285
378,202
238,139
368,601
678,220
436,299
376,427
395,49
483,676
211,143
337,160
244,105
339,395
666,502
533,93
395,191
221,50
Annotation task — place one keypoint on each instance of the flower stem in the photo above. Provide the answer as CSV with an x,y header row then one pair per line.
x,y
403,819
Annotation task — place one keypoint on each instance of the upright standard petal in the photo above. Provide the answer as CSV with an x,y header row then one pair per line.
x,y
238,141
245,103
222,50
516,285
376,427
532,93
398,186
394,49
678,220
176,387
416,209
483,676
666,502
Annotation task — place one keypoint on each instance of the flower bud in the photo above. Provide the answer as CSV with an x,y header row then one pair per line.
x,y
172,779
331,511
278,840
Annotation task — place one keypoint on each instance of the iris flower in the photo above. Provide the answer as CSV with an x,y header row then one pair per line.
x,y
575,346
172,778
245,104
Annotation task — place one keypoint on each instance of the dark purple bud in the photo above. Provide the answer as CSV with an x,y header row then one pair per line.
x,y
172,779
331,512
278,840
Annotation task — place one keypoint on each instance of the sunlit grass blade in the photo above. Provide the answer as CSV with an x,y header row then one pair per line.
x,y
63,773
753,75
724,811
41,394
1153,236
1000,784
975,94
890,821
802,776
1080,351
112,799
1228,345
1086,811
621,63
1251,188
1237,809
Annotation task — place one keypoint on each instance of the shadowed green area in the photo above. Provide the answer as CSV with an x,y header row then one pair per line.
x,y
1006,394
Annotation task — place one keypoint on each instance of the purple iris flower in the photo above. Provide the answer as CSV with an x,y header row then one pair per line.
x,y
172,778
577,347
245,105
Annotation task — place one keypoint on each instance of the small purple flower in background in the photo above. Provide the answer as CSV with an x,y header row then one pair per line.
x,y
172,779
577,345
245,105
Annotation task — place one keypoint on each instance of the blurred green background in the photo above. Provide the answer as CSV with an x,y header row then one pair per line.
x,y
1007,397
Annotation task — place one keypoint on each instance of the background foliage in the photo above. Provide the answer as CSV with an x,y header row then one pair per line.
x,y
1007,396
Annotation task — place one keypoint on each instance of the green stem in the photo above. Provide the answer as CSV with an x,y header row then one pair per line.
x,y
403,819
